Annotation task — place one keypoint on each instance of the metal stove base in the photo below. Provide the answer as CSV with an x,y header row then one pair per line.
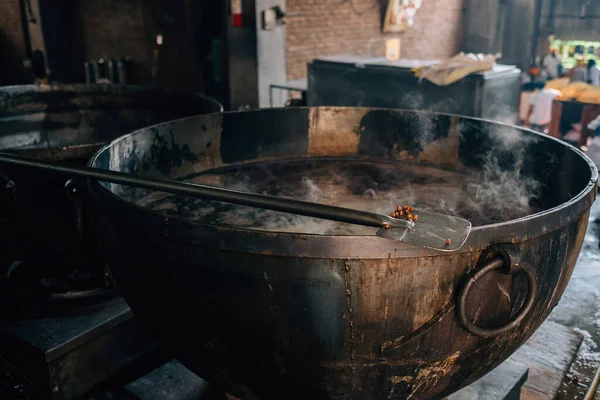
x,y
67,355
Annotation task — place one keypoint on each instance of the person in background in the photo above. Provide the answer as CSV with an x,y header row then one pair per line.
x,y
593,73
580,72
551,65
540,109
532,79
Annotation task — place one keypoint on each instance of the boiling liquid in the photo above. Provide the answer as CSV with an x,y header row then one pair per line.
x,y
368,186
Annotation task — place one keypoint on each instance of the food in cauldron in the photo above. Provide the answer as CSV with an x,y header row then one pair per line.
x,y
363,185
267,305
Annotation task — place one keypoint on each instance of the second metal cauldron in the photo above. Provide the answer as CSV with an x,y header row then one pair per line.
x,y
67,123
267,314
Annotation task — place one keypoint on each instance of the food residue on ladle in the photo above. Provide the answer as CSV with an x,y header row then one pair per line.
x,y
448,242
405,211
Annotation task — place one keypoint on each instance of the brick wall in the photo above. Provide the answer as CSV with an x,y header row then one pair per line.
x,y
12,43
330,27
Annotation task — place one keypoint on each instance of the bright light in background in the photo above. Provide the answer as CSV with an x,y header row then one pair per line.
x,y
159,39
410,9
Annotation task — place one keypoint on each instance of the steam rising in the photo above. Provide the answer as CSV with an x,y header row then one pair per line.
x,y
483,197
497,191
501,187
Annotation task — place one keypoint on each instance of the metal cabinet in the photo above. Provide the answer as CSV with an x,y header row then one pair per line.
x,y
376,82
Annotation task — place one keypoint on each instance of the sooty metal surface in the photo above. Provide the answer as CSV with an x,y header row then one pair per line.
x,y
295,311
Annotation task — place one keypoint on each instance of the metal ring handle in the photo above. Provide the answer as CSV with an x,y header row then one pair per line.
x,y
496,264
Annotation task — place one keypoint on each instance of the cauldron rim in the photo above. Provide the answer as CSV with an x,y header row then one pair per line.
x,y
22,102
99,88
347,246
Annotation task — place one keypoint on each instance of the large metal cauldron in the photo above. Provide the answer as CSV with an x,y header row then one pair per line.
x,y
67,123
294,316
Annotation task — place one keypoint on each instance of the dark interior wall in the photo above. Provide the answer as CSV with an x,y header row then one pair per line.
x,y
13,48
517,32
212,44
571,19
70,32
193,55
120,28
179,60
62,38
501,26
481,26
129,28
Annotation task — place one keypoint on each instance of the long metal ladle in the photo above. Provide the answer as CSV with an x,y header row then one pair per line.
x,y
432,230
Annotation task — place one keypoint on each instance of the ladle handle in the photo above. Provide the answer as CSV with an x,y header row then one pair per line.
x,y
292,206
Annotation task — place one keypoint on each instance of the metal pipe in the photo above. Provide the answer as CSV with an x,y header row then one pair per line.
x,y
591,392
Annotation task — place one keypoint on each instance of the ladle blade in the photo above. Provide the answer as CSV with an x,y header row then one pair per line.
x,y
432,230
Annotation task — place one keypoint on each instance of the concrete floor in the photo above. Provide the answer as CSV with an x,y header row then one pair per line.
x,y
579,309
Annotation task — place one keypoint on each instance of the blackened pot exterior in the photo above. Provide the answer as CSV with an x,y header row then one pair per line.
x,y
68,123
272,315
